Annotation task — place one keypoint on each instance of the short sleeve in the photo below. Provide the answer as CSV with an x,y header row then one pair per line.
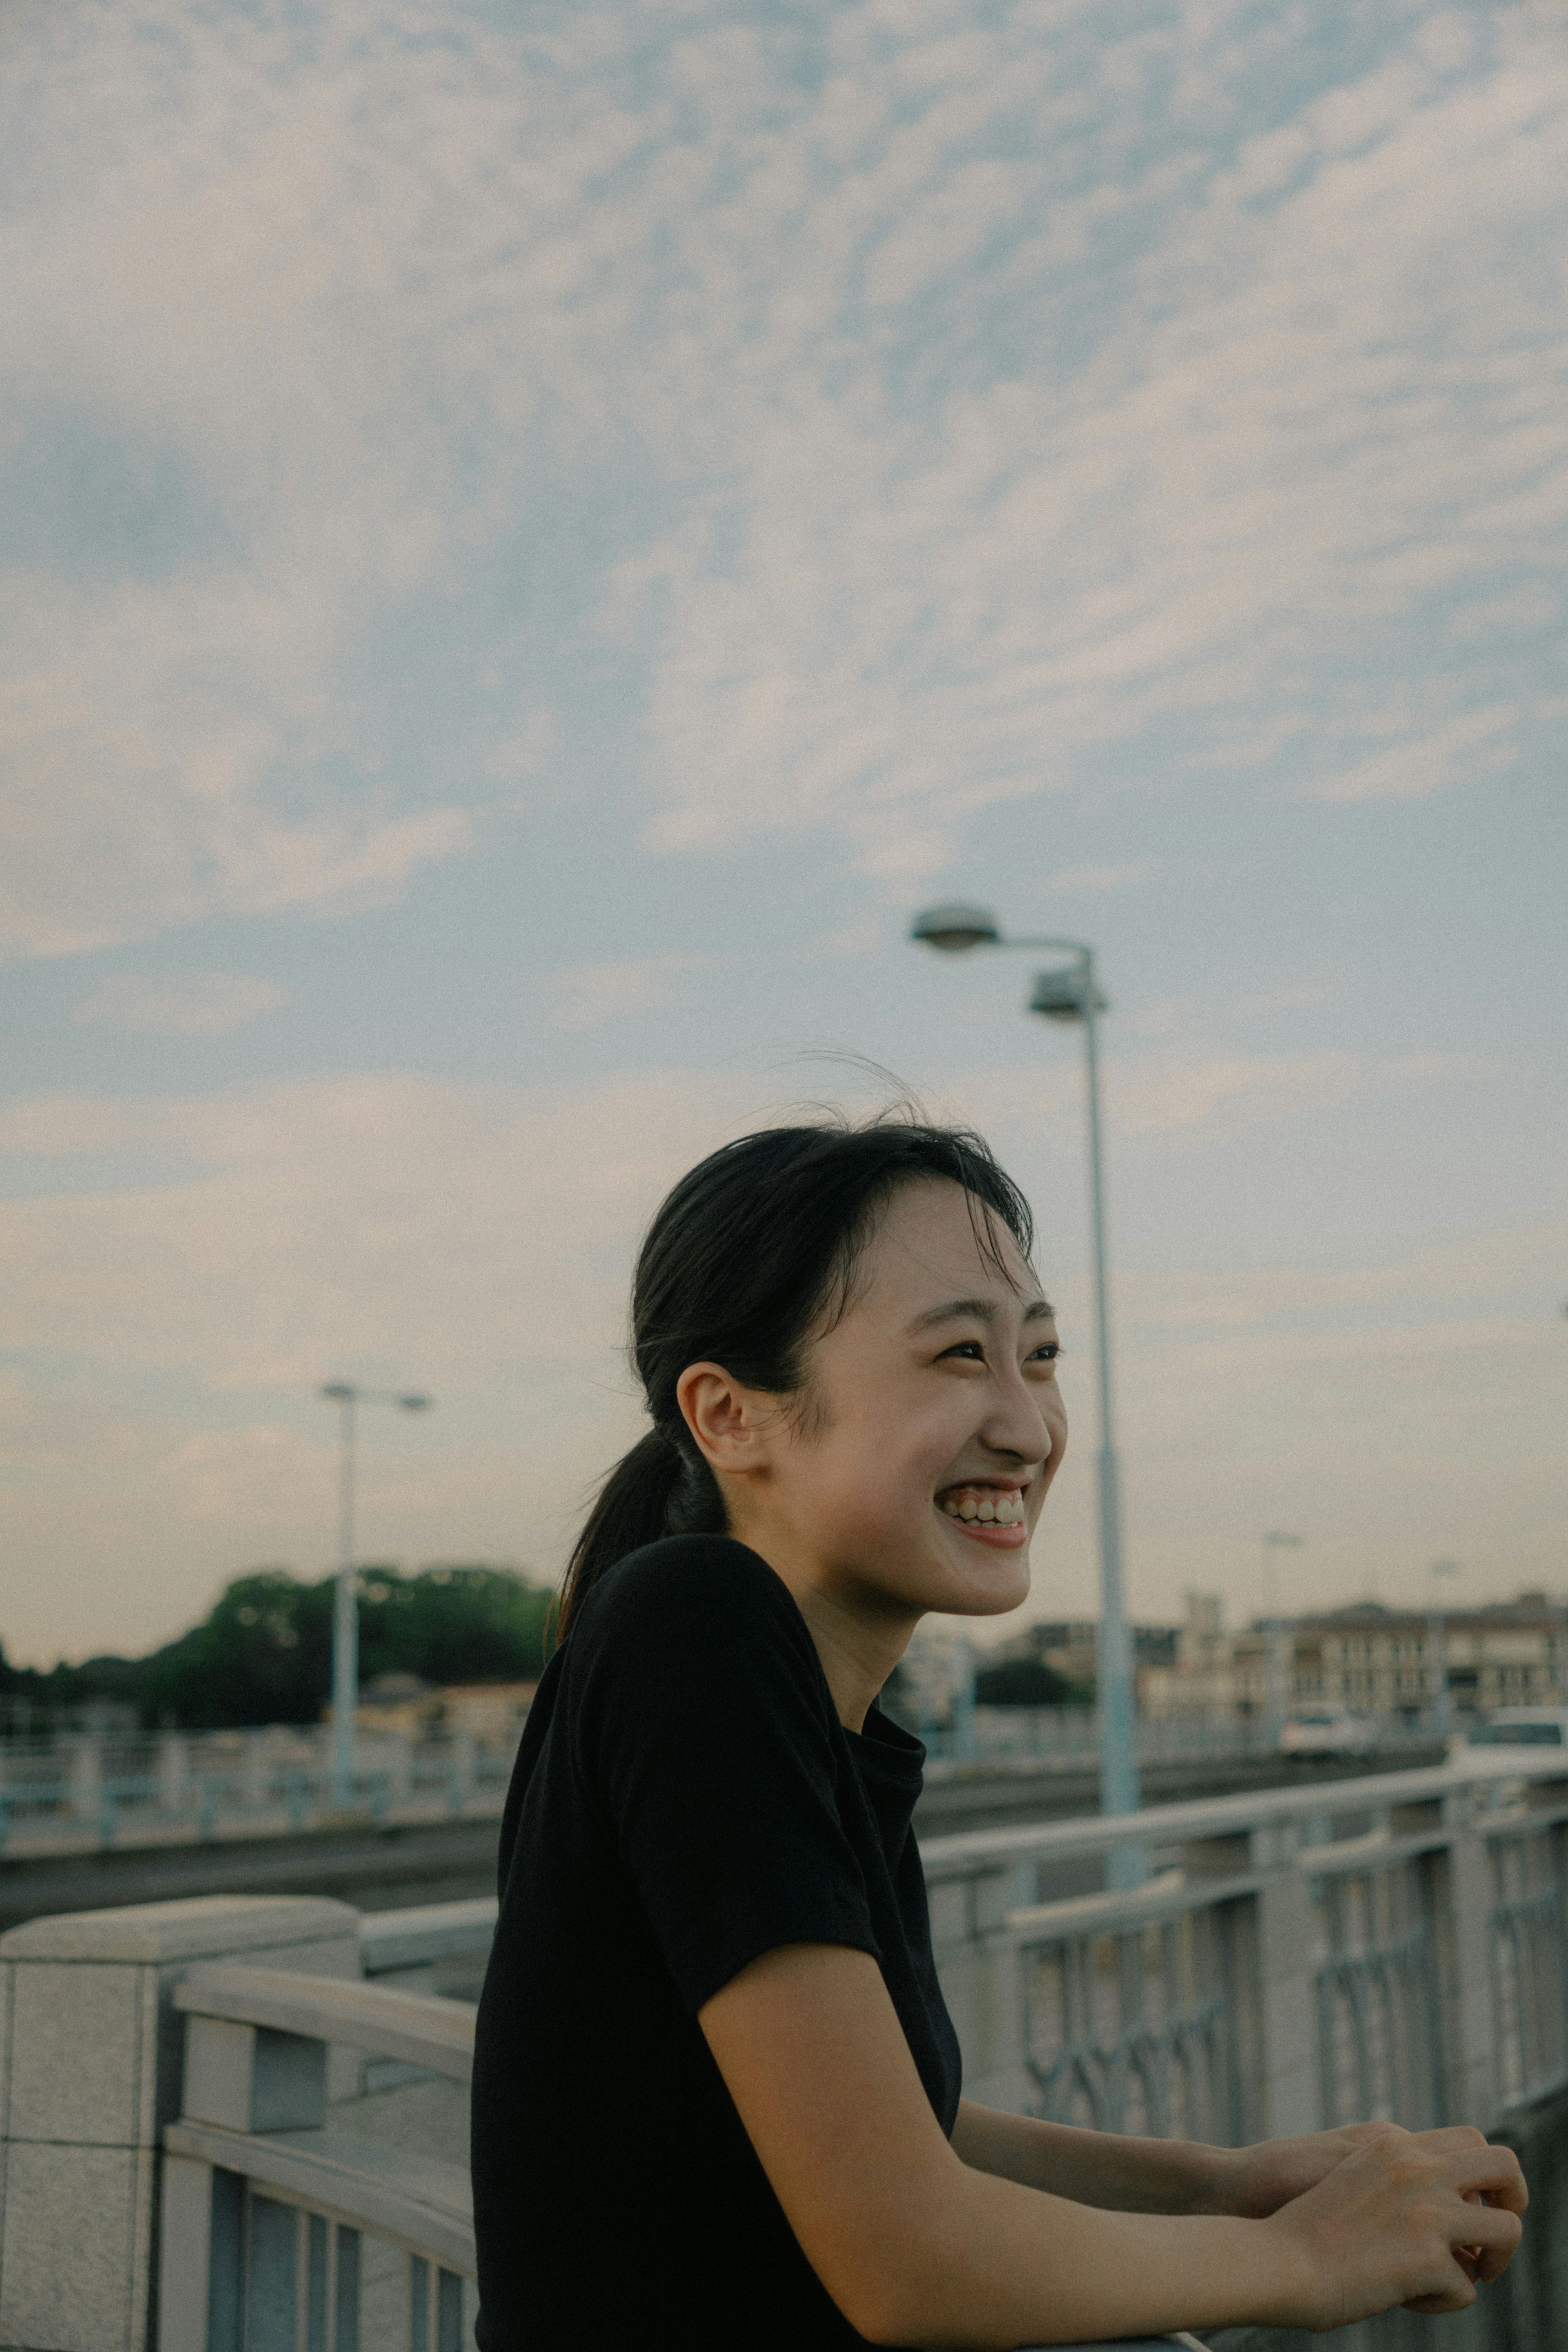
x,y
706,1731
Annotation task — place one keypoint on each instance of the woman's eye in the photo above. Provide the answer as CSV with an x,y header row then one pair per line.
x,y
1047,1354
969,1350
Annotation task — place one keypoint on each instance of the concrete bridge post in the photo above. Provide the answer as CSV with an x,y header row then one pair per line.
x,y
90,2055
1286,1983
1473,2085
84,1775
256,1771
174,1771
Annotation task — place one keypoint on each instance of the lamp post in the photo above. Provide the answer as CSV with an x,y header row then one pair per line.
x,y
1438,1651
1274,1679
345,1599
1071,991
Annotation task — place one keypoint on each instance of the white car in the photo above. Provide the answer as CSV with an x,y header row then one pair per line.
x,y
1523,1727
1328,1732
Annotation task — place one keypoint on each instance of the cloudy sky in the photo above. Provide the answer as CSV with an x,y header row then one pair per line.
x,y
533,536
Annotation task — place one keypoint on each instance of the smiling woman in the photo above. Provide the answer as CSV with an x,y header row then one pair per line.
x,y
716,2093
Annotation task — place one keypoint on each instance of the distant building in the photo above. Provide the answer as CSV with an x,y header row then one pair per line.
x,y
934,1669
1369,1658
1070,1645
492,1713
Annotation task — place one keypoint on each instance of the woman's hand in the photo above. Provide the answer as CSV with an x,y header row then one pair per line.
x,y
1253,2182
1417,2218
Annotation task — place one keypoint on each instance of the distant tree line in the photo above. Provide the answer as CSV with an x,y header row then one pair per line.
x,y
1028,1682
264,1652
1010,1682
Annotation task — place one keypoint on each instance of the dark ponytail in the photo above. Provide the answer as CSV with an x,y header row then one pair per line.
x,y
753,1253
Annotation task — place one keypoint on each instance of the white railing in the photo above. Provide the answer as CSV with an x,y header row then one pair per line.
x,y
1068,1737
80,1790
1386,1947
281,2234
1390,1945
80,1793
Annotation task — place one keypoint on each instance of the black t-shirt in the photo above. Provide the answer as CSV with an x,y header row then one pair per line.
x,y
685,1799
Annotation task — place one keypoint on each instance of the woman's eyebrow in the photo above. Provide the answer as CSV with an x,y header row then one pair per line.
x,y
979,1310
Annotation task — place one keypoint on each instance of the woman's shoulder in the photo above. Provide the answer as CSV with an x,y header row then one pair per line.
x,y
714,1575
691,1605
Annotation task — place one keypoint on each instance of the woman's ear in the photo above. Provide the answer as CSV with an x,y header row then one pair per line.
x,y
722,1418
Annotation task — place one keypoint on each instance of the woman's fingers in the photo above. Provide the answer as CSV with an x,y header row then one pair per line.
x,y
1491,2171
1493,2254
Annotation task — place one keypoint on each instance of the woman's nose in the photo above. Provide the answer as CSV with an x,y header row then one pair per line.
x,y
1020,1426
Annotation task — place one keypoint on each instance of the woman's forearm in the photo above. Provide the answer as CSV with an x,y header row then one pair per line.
x,y
1007,2264
1108,2170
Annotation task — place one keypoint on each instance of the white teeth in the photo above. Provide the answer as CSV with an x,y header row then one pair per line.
x,y
990,1510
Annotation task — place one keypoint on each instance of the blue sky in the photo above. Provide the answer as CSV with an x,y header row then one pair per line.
x,y
534,537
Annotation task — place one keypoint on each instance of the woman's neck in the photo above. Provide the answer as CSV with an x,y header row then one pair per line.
x,y
859,1647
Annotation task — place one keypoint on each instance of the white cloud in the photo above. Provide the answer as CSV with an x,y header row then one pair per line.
x,y
1281,1000
1408,769
185,1004
593,994
160,1429
967,418
1103,877
370,1218
1189,1088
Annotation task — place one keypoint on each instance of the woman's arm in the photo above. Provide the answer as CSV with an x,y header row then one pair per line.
x,y
917,2247
1128,2174
1123,2174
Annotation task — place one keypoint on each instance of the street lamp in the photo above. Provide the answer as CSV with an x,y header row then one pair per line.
x,y
1071,991
1274,1679
345,1599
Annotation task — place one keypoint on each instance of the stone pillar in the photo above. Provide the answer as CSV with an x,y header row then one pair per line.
x,y
462,1749
982,1974
90,2057
1287,1973
256,1771
1473,2089
84,1775
174,1771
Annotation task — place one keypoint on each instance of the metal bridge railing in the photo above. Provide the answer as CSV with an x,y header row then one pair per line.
x,y
1389,1946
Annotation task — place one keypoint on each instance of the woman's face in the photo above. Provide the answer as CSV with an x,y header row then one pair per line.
x,y
932,1424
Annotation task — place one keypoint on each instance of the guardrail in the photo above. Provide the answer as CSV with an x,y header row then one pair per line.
x,y
1068,1737
81,1790
279,2233
1387,1946
243,1785
1392,1946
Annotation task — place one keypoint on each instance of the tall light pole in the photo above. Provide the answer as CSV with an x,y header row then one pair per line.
x,y
1274,1677
345,1597
1071,991
1437,1650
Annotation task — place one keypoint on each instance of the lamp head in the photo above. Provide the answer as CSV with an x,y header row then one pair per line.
x,y
1059,995
415,1403
954,929
339,1391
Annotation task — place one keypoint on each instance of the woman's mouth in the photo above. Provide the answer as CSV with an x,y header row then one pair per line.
x,y
992,1515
